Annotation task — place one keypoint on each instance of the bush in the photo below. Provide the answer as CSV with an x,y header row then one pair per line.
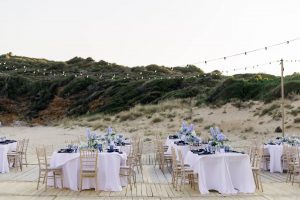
x,y
269,110
76,85
156,120
297,120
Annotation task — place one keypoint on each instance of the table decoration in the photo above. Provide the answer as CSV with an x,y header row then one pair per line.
x,y
216,142
290,140
187,134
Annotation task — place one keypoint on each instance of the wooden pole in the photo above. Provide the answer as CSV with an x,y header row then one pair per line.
x,y
282,97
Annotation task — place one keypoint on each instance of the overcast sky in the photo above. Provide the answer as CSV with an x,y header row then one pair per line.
x,y
164,32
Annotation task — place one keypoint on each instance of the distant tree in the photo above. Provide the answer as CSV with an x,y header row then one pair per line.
x,y
75,60
102,63
89,59
8,55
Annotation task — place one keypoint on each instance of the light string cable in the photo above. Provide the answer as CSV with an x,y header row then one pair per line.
x,y
265,48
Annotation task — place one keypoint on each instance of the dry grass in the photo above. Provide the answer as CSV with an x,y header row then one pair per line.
x,y
130,115
270,109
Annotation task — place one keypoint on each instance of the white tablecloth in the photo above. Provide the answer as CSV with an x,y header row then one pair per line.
x,y
184,148
4,149
170,141
108,171
275,152
126,148
227,173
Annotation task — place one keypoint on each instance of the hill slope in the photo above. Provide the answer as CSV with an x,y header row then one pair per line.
x,y
39,90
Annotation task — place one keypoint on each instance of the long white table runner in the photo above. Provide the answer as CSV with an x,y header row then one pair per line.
x,y
227,173
108,171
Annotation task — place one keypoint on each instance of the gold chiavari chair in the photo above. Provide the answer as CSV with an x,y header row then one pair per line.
x,y
290,159
176,167
16,157
185,172
165,159
88,165
45,169
128,171
137,151
139,155
255,159
24,152
294,163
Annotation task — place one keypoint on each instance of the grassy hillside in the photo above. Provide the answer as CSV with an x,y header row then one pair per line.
x,y
39,90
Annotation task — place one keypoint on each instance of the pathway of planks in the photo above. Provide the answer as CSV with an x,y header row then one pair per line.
x,y
152,184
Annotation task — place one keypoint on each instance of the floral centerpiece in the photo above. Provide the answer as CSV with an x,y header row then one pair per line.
x,y
291,140
110,135
95,141
92,139
218,138
188,134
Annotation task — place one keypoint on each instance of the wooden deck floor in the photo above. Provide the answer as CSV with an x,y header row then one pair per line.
x,y
152,184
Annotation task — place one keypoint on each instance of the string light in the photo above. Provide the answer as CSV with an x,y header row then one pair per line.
x,y
245,52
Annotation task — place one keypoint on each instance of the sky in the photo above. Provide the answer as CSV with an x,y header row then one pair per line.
x,y
163,32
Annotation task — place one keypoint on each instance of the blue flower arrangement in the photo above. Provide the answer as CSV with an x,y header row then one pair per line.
x,y
188,134
218,138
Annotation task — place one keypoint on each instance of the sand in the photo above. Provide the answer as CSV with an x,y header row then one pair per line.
x,y
240,125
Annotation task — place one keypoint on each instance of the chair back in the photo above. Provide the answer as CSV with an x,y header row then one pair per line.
x,y
20,146
88,159
26,142
180,157
256,156
174,158
75,141
293,155
42,157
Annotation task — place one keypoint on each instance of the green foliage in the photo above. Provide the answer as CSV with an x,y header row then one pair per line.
x,y
102,87
255,87
76,86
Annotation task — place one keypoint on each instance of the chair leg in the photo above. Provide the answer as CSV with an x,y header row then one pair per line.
x,y
54,180
20,162
134,178
81,182
96,187
260,183
39,179
46,180
61,180
130,184
26,160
